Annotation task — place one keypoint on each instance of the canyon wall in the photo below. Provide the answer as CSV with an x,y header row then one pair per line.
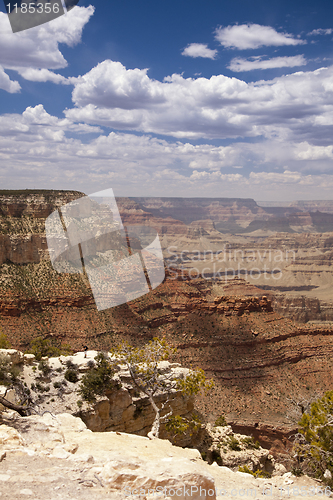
x,y
236,331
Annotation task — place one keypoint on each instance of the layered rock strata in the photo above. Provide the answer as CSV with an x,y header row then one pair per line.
x,y
257,357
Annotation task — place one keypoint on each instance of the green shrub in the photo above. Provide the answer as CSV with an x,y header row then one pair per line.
x,y
258,473
42,388
56,385
8,372
5,366
216,457
14,373
178,425
194,382
41,347
97,380
233,443
220,421
71,375
250,442
313,445
296,471
69,364
44,367
4,342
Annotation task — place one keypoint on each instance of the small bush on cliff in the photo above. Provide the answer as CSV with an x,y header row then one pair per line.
x,y
234,444
45,368
71,375
41,347
258,473
97,379
313,444
5,366
179,426
4,342
8,372
220,421
148,378
250,442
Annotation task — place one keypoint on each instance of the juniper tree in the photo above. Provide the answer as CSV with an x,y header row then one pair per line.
x,y
149,378
313,444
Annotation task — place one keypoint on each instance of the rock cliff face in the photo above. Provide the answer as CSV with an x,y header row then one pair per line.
x,y
22,216
121,408
133,213
303,309
58,457
193,209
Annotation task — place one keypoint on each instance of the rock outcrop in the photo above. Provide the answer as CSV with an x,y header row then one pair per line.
x,y
57,456
121,408
303,309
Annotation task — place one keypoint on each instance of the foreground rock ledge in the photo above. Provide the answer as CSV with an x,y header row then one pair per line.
x,y
58,457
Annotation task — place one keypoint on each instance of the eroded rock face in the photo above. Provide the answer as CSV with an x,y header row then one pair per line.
x,y
125,463
125,411
44,456
22,217
303,309
233,450
120,409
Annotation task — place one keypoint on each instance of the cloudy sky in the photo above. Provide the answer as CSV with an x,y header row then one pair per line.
x,y
177,98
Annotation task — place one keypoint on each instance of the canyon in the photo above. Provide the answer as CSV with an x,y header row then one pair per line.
x,y
263,340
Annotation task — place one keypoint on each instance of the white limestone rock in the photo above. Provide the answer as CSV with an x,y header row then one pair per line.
x,y
16,357
28,359
176,477
10,396
10,438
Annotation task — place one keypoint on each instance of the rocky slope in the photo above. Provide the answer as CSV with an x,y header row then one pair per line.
x,y
123,409
257,357
57,457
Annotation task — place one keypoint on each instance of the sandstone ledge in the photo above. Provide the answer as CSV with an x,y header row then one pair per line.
x,y
57,456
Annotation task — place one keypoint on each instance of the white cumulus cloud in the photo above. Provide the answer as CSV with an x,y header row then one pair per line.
x,y
321,31
239,64
36,151
253,36
7,84
42,75
199,50
298,105
38,48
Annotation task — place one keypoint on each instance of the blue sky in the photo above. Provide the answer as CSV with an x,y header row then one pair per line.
x,y
185,98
